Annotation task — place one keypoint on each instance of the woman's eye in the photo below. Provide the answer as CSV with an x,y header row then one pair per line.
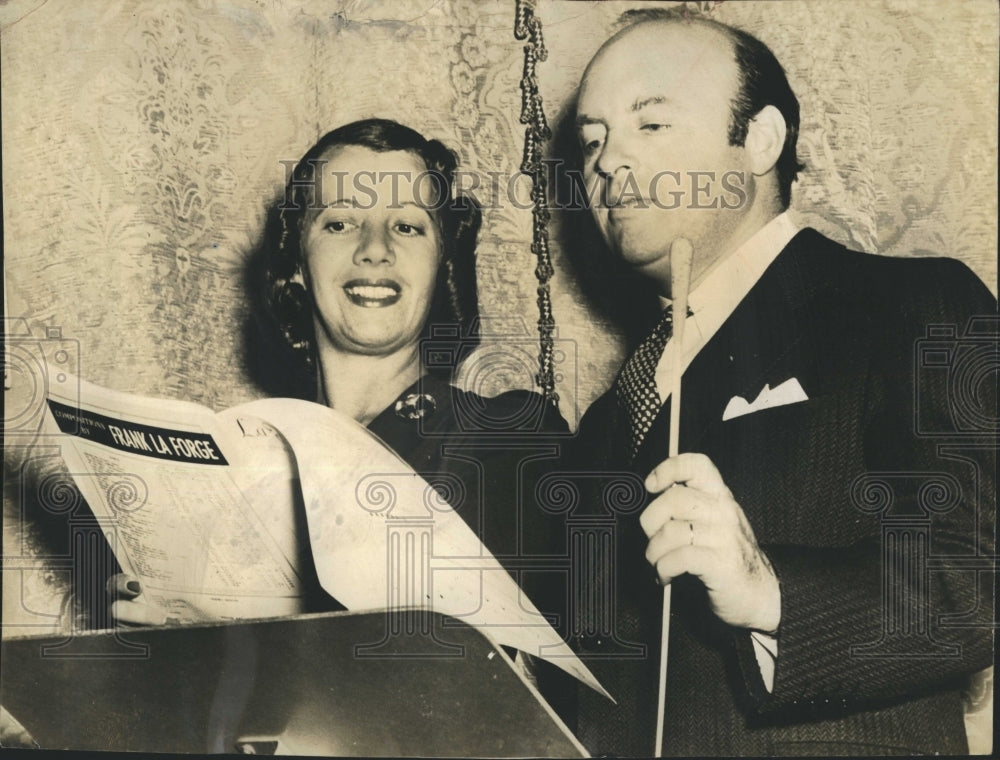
x,y
409,229
591,146
335,225
653,127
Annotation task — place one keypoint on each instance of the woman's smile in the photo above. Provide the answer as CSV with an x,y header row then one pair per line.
x,y
373,294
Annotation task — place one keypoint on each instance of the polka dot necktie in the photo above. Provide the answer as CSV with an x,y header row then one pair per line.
x,y
636,386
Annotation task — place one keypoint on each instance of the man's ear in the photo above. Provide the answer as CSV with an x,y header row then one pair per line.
x,y
765,139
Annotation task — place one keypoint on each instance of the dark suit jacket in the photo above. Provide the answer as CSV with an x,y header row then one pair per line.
x,y
874,500
484,454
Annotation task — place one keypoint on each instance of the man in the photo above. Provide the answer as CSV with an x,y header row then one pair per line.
x,y
820,603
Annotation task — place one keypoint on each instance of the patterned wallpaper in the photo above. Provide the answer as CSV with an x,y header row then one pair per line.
x,y
142,140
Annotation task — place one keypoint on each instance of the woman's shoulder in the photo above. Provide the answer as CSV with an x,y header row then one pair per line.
x,y
513,411
436,407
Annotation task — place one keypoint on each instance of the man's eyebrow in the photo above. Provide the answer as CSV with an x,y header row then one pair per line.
x,y
582,120
652,100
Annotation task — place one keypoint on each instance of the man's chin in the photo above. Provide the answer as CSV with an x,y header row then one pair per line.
x,y
649,261
641,254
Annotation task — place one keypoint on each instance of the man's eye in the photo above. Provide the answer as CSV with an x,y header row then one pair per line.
x,y
591,138
654,127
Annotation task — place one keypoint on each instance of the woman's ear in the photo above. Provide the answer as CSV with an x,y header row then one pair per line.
x,y
765,139
298,278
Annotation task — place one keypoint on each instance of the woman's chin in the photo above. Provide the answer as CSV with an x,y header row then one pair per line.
x,y
379,345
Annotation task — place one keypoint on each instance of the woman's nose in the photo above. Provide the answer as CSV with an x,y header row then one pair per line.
x,y
375,248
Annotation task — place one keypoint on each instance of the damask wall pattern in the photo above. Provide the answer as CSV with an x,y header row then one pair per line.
x,y
143,139
139,155
169,128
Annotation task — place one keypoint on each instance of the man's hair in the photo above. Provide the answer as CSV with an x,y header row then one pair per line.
x,y
762,82
285,307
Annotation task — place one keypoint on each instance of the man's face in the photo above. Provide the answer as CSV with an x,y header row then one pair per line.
x,y
653,121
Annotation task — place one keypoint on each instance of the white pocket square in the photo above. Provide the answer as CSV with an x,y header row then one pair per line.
x,y
788,392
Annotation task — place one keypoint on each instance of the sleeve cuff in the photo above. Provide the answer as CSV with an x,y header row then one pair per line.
x,y
765,649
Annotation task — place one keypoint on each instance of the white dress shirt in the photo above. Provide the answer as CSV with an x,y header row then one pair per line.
x,y
711,304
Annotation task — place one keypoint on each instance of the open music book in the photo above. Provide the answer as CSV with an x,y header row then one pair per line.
x,y
203,508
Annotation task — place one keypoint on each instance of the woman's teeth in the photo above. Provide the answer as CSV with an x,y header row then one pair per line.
x,y
374,292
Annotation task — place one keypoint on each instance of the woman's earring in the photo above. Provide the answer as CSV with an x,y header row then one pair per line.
x,y
283,241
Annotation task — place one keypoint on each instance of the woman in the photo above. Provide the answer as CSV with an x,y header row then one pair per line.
x,y
369,304
375,257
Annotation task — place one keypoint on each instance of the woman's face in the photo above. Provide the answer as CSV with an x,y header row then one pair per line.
x,y
371,250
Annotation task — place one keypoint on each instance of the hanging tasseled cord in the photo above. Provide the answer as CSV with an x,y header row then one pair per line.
x,y
536,131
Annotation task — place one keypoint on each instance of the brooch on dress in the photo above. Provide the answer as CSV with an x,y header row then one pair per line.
x,y
415,406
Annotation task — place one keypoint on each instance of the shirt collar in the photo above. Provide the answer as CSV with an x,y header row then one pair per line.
x,y
731,280
717,296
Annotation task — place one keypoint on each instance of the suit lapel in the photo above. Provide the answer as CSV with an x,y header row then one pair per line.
x,y
769,338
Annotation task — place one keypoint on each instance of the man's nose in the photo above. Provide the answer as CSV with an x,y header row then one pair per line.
x,y
615,157
375,248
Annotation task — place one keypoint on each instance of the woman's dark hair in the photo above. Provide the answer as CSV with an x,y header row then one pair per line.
x,y
284,307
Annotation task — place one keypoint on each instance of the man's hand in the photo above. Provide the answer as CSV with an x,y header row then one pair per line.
x,y
695,526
